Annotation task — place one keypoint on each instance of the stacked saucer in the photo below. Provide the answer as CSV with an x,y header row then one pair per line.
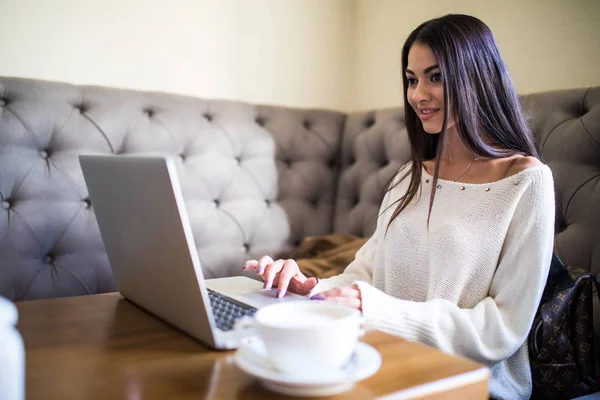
x,y
251,357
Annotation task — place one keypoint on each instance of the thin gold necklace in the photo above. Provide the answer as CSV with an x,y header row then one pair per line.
x,y
466,169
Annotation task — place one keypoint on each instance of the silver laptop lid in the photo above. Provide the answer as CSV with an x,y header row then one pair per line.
x,y
148,239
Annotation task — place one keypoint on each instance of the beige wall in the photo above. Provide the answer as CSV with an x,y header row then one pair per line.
x,y
338,54
290,52
547,44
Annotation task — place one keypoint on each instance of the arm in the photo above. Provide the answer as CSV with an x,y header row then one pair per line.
x,y
499,324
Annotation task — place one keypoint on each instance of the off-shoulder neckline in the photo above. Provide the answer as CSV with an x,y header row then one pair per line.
x,y
518,175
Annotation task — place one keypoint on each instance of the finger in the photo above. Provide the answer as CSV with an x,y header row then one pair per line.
x,y
309,284
250,264
348,301
359,294
260,269
289,270
270,273
263,262
343,291
318,296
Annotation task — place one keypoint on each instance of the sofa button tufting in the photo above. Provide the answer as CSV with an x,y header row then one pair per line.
x,y
182,157
260,120
2,102
315,203
238,159
307,124
48,259
268,202
217,202
6,204
87,203
369,122
208,117
287,162
44,154
246,247
149,113
80,109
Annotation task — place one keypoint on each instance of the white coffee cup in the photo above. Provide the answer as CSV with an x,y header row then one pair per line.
x,y
306,336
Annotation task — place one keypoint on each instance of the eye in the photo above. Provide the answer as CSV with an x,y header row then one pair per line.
x,y
436,78
411,81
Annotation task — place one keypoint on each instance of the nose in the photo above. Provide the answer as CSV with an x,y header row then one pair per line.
x,y
420,93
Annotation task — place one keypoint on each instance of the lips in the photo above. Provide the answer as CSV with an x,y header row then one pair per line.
x,y
427,113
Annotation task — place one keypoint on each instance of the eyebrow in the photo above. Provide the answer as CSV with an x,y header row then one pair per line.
x,y
425,71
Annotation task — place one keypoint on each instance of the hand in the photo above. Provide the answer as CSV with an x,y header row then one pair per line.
x,y
346,295
283,274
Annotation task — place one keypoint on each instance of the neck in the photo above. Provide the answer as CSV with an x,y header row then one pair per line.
x,y
455,151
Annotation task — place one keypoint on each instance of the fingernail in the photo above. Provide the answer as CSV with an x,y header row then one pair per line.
x,y
318,297
267,285
279,294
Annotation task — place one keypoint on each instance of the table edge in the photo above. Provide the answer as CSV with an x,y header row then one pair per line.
x,y
441,385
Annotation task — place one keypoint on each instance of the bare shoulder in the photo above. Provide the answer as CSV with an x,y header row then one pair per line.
x,y
521,163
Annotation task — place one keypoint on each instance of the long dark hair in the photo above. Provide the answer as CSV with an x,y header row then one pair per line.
x,y
478,92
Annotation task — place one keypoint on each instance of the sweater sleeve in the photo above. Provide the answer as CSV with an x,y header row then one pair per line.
x,y
498,325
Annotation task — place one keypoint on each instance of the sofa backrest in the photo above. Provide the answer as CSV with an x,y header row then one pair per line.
x,y
567,126
256,180
374,146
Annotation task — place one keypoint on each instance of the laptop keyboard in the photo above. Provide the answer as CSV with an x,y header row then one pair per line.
x,y
227,310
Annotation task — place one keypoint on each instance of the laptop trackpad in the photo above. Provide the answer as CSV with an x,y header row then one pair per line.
x,y
265,297
249,291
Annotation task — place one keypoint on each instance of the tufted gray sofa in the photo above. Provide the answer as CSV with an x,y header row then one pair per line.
x,y
256,179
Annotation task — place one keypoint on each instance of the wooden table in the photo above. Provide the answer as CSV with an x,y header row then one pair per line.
x,y
104,347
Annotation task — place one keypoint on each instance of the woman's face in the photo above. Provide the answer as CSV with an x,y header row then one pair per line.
x,y
425,90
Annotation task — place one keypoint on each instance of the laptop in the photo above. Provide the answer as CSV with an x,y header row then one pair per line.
x,y
143,222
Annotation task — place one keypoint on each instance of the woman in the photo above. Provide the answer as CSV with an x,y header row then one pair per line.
x,y
464,239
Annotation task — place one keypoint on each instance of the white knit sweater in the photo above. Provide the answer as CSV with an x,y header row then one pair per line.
x,y
469,284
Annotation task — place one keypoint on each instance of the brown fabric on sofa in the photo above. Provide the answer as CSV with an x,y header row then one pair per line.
x,y
328,255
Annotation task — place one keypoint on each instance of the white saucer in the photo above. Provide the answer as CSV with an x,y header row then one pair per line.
x,y
251,358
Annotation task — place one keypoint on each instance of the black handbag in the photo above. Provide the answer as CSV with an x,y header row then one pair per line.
x,y
561,340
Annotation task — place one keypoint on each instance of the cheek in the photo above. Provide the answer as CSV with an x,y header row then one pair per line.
x,y
438,93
